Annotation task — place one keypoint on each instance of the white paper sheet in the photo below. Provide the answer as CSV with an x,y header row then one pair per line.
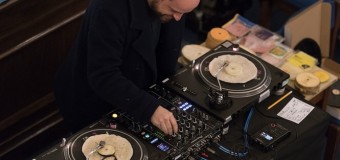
x,y
295,110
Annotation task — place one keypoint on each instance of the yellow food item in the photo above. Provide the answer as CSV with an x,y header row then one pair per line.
x,y
322,75
219,34
216,36
307,83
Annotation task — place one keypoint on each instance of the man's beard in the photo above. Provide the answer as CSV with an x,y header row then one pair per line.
x,y
154,4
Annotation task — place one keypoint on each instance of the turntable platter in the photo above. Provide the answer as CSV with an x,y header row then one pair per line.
x,y
73,149
257,83
237,69
107,146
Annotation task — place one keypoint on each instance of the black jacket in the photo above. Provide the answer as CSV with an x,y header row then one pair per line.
x,y
121,50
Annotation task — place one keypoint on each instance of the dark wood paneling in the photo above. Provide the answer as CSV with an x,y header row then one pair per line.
x,y
35,37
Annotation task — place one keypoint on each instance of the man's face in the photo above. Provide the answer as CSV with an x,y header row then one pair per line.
x,y
157,6
172,9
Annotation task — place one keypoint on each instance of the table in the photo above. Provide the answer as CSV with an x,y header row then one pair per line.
x,y
305,142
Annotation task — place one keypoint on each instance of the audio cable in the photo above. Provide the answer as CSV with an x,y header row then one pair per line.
x,y
245,129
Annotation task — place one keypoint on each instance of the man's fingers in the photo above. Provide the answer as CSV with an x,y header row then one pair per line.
x,y
163,128
168,126
174,124
164,120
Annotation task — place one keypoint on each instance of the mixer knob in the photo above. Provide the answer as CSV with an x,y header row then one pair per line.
x,y
150,127
205,126
178,140
200,123
187,125
194,121
189,117
192,135
207,117
203,115
186,132
199,113
199,130
178,137
177,118
182,121
193,128
174,134
180,130
178,144
184,114
185,140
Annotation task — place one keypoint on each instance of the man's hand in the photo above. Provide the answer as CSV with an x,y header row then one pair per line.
x,y
164,120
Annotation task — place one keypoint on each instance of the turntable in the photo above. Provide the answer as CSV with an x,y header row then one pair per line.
x,y
197,84
73,148
196,130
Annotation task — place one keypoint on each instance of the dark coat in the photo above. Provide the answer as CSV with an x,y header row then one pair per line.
x,y
121,50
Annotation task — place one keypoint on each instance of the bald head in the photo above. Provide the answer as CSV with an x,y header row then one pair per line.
x,y
172,9
184,6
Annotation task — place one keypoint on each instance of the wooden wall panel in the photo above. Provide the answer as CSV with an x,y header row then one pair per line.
x,y
35,36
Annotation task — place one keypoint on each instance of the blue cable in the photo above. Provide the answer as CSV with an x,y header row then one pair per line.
x,y
245,129
231,152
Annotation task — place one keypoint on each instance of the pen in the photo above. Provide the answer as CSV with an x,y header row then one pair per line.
x,y
279,100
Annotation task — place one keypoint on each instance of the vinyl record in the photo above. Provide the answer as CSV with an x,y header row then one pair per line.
x,y
233,69
236,90
73,149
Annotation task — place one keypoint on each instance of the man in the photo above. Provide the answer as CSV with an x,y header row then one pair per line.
x,y
123,47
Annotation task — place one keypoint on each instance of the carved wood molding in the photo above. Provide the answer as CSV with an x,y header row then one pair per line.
x,y
26,19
